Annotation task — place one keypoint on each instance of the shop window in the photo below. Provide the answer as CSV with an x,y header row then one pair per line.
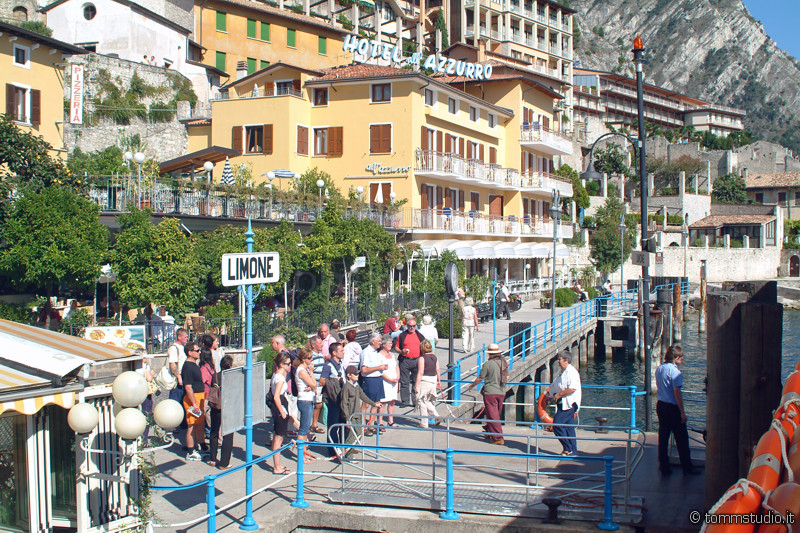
x,y
14,488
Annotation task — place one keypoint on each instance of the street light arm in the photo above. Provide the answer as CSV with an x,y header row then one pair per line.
x,y
611,134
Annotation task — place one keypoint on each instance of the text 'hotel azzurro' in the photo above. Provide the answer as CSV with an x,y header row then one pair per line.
x,y
388,52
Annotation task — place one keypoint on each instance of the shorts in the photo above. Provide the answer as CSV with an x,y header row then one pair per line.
x,y
318,395
306,409
192,420
373,388
280,424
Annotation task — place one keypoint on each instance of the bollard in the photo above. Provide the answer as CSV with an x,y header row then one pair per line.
x,y
552,510
211,508
632,390
299,501
449,513
608,518
601,421
457,384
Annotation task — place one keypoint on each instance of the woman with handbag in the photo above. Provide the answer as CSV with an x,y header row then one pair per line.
x,y
208,372
215,404
278,402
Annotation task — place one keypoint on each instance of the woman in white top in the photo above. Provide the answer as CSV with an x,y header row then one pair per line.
x,y
352,350
279,405
390,376
428,331
306,390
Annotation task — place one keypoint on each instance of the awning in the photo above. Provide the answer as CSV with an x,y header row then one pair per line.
x,y
29,406
15,379
196,160
474,249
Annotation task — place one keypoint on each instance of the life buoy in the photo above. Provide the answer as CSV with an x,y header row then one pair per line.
x,y
541,412
791,388
793,455
783,500
767,463
741,499
788,416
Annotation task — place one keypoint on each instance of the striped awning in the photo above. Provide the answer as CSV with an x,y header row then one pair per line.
x,y
29,406
14,379
474,249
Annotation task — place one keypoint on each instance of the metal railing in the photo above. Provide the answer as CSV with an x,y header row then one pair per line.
x,y
533,133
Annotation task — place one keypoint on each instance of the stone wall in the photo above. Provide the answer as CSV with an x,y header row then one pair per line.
x,y
7,9
785,256
763,156
724,264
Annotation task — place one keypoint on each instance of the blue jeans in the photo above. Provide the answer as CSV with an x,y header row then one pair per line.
x,y
306,409
566,416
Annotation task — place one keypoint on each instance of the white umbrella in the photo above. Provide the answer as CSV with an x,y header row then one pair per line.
x,y
227,174
379,195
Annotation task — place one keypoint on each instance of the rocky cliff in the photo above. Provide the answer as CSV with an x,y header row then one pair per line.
x,y
711,49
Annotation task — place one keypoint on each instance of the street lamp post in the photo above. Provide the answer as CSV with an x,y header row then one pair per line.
x,y
555,214
138,157
622,229
320,185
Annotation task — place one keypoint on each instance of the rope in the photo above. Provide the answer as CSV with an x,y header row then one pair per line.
x,y
740,486
784,456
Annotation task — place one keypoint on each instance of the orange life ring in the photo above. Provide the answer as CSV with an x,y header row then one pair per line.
x,y
784,499
797,365
745,501
541,412
767,464
793,454
791,388
788,416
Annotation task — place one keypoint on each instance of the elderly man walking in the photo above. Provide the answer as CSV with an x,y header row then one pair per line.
x,y
407,346
494,374
566,390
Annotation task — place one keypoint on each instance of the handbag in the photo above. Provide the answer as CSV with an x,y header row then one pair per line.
x,y
214,394
165,380
152,387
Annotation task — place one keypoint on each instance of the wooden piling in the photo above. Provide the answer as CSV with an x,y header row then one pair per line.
x,y
677,314
639,296
664,299
701,324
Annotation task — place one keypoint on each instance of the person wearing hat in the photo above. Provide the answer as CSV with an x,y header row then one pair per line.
x,y
350,399
469,325
494,374
566,390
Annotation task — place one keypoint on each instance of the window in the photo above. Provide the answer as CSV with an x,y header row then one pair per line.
x,y
430,98
283,88
13,440
781,198
321,96
380,138
20,14
23,104
321,141
222,21
254,139
492,120
291,38
759,197
251,29
89,11
22,56
264,64
220,63
265,31
382,92
257,139
322,45
302,140
328,141
473,114
797,198
251,65
452,106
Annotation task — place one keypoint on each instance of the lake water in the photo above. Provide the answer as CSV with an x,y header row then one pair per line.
x,y
630,371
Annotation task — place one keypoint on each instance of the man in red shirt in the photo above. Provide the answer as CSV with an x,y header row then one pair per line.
x,y
391,326
407,345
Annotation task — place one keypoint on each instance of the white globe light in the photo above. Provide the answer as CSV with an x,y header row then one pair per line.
x,y
168,414
208,166
296,176
138,157
128,155
129,389
392,195
270,175
130,423
359,189
83,418
320,184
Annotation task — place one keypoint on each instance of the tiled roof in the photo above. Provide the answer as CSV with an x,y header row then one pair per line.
x,y
286,13
516,73
773,179
361,70
198,122
716,221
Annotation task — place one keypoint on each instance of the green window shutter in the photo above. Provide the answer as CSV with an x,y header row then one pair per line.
x,y
264,31
323,45
290,38
221,61
264,64
251,28
251,65
222,22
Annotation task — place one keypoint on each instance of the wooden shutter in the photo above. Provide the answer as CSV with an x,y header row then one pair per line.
x,y
36,106
373,191
386,138
448,144
460,200
380,138
296,85
267,129
439,141
447,199
424,143
302,140
269,88
374,140
335,141
546,210
423,192
439,197
492,155
546,122
480,153
495,205
387,191
10,101
522,162
475,201
461,147
236,138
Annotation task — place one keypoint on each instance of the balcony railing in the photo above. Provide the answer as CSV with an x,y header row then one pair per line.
x,y
545,140
456,222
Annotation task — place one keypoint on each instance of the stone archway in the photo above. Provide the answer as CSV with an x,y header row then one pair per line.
x,y
794,266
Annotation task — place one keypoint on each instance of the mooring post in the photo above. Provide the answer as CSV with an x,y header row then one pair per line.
x,y
677,313
640,314
664,299
701,324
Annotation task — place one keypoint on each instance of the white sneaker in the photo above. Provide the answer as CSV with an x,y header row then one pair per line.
x,y
194,456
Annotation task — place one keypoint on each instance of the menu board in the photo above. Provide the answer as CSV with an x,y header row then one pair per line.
x,y
129,337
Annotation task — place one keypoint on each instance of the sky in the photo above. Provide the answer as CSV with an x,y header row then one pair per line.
x,y
781,19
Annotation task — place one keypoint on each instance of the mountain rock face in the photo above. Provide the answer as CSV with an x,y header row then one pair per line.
x,y
710,49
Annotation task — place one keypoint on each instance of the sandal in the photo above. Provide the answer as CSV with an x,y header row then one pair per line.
x,y
283,472
318,430
391,425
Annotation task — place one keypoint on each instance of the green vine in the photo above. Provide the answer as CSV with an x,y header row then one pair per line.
x,y
148,472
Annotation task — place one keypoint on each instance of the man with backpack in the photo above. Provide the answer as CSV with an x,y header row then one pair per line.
x,y
494,374
331,381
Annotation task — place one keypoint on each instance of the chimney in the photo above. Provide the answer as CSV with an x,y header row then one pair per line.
x,y
241,69
481,51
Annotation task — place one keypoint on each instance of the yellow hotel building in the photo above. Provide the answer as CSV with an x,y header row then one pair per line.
x,y
32,81
476,172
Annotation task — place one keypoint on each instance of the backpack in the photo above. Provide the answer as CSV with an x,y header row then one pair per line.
x,y
333,385
290,376
215,393
503,371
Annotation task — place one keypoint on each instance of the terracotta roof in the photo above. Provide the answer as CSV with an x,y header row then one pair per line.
x,y
198,122
716,221
772,179
518,73
361,70
286,13
39,38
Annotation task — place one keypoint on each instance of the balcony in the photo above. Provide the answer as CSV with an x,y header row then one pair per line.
x,y
455,222
541,139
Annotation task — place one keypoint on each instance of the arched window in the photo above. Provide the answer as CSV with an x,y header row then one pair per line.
x,y
19,13
89,11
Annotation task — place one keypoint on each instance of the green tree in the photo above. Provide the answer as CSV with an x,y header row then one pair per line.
x,y
433,283
98,163
53,237
579,194
613,160
38,26
729,189
604,243
156,263
441,24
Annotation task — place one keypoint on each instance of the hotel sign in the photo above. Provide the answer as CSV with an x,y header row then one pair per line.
x,y
376,169
76,94
366,50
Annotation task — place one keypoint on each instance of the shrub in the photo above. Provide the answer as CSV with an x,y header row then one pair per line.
x,y
589,222
737,243
295,338
75,323
222,309
565,297
15,313
592,292
345,22
443,326
674,220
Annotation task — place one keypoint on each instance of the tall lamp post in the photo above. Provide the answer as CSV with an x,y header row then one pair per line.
x,y
622,229
555,214
320,186
138,157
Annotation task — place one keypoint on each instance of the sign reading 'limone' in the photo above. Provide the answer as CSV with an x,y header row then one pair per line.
x,y
250,269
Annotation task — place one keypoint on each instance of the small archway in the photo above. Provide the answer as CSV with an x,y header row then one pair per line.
x,y
19,14
794,266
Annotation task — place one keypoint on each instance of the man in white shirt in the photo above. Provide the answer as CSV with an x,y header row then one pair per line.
x,y
504,295
566,391
175,359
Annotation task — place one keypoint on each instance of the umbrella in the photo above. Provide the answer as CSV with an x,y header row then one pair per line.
x,y
227,174
379,195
